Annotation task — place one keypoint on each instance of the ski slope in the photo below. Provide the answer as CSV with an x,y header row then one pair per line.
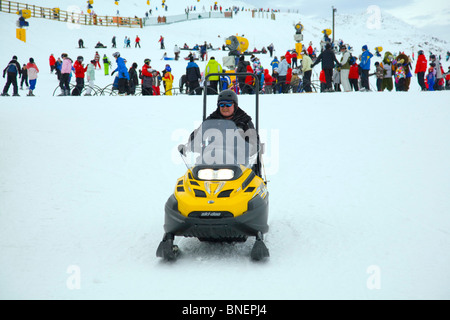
x,y
358,182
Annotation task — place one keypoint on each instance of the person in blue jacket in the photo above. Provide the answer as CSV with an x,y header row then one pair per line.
x,y
365,67
275,62
123,73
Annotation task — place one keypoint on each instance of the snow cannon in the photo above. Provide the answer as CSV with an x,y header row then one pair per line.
x,y
223,195
327,31
21,33
25,13
378,51
298,28
237,45
298,36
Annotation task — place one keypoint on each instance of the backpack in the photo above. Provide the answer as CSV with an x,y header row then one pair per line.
x,y
12,68
351,60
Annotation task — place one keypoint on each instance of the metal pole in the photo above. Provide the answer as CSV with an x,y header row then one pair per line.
x,y
334,10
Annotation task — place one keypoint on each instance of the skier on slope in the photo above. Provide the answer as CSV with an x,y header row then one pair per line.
x,y
32,72
106,64
123,76
11,70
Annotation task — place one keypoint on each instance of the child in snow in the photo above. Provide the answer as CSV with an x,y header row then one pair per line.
x,y
32,71
134,81
431,78
156,83
379,73
295,81
90,76
168,80
323,81
353,76
400,76
24,77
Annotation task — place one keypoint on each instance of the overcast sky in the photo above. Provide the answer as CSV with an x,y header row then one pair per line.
x,y
433,16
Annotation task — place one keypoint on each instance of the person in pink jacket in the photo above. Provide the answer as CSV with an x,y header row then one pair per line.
x,y
66,69
32,71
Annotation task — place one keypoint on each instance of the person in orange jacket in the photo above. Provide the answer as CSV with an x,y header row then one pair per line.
x,y
168,80
421,68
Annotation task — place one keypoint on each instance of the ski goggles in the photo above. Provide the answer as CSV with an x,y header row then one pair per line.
x,y
225,104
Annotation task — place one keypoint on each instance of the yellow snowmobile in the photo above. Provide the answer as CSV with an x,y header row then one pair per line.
x,y
222,197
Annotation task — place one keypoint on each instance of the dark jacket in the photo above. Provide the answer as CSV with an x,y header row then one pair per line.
x,y
244,122
328,59
242,67
192,72
240,118
12,67
133,76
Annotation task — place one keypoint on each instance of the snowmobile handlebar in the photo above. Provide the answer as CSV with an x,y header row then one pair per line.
x,y
237,74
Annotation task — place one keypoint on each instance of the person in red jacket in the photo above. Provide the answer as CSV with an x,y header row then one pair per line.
x,y
268,82
80,71
447,78
294,59
310,49
323,81
288,76
421,68
137,42
288,57
52,62
353,76
248,87
97,60
147,78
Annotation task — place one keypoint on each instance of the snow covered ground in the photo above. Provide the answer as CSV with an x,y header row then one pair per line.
x,y
359,185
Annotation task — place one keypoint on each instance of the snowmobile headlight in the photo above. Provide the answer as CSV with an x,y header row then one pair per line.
x,y
211,174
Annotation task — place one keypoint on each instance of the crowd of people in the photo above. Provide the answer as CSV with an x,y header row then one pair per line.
x,y
292,73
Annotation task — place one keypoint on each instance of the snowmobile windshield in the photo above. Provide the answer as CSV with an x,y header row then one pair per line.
x,y
217,150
